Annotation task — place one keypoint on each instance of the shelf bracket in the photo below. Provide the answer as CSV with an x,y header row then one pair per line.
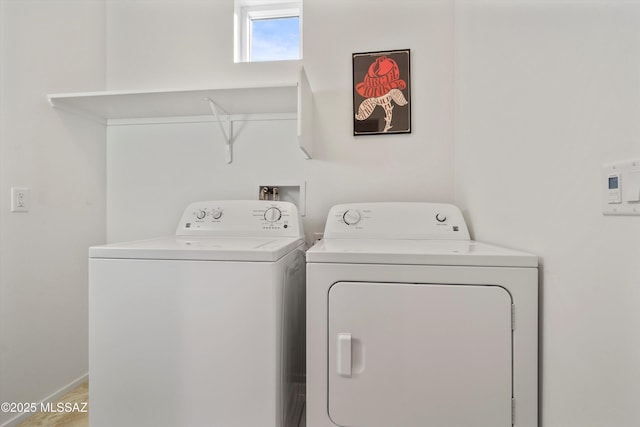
x,y
226,125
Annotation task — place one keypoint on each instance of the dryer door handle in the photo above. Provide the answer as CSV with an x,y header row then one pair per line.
x,y
344,355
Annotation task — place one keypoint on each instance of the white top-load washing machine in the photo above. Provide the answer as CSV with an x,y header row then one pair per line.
x,y
412,324
204,328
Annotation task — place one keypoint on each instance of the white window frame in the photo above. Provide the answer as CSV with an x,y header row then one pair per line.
x,y
246,11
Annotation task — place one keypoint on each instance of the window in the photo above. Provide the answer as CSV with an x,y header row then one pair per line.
x,y
267,31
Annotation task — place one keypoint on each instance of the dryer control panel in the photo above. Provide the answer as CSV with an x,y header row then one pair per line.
x,y
238,218
396,220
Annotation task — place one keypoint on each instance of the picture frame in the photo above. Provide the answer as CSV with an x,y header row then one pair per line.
x,y
381,92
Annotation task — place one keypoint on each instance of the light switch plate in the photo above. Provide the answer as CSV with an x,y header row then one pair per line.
x,y
621,188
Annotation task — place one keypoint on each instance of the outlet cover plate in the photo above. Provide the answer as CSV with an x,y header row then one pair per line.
x,y
19,199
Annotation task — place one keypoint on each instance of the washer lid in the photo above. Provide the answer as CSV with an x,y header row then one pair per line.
x,y
200,248
417,252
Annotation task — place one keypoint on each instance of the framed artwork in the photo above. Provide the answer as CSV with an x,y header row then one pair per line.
x,y
381,92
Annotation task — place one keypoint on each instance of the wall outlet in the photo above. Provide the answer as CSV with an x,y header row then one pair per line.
x,y
19,199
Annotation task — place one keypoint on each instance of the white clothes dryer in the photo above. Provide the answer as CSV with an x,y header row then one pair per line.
x,y
204,328
410,323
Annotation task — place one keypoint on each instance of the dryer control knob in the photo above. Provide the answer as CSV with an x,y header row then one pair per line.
x,y
216,214
272,214
201,214
351,217
441,217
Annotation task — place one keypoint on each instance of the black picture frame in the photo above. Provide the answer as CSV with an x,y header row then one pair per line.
x,y
382,92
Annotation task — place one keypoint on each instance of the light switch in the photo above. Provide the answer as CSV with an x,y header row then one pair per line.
x,y
631,188
613,187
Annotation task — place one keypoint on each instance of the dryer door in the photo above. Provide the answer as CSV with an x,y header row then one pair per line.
x,y
419,354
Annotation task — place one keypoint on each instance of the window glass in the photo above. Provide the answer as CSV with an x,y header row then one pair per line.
x,y
267,30
275,39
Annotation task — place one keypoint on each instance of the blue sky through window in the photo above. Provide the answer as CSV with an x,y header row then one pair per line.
x,y
275,39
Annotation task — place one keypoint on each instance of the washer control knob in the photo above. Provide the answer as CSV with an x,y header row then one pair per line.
x,y
217,214
272,214
201,214
351,217
441,217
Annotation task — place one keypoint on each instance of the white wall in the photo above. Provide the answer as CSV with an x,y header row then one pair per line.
x,y
158,169
47,46
546,92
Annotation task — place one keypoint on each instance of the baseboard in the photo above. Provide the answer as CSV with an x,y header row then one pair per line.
x,y
13,422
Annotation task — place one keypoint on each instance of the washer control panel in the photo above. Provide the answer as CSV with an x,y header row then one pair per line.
x,y
396,220
240,218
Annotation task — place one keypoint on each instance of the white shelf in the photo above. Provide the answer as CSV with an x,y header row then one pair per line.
x,y
112,105
239,103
